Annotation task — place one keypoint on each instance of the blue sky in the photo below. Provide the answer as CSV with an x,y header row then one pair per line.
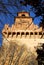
x,y
8,18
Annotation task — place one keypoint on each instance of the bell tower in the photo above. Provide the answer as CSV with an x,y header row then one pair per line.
x,y
23,19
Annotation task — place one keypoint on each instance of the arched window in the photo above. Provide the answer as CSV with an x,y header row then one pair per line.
x,y
9,33
27,33
40,33
31,33
13,33
5,32
23,14
22,33
35,33
18,33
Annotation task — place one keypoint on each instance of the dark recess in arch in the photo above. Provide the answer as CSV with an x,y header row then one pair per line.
x,y
18,33
40,33
31,33
5,32
22,33
23,14
27,33
9,33
13,33
35,33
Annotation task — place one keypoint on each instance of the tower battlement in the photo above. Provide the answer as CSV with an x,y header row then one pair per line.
x,y
23,28
23,31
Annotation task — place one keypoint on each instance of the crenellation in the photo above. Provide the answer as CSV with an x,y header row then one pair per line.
x,y
25,34
22,33
23,28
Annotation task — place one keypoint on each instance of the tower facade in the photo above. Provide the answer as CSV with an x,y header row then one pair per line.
x,y
23,31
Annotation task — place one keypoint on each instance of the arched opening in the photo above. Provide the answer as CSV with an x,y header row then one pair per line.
x,y
22,33
5,32
23,14
13,33
35,33
27,33
40,33
18,33
31,33
9,33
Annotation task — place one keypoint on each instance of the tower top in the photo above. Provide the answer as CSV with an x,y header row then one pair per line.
x,y
23,14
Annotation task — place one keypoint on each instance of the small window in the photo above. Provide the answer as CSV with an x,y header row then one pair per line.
x,y
23,14
40,33
22,33
13,33
5,32
27,33
18,33
35,33
9,33
31,33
